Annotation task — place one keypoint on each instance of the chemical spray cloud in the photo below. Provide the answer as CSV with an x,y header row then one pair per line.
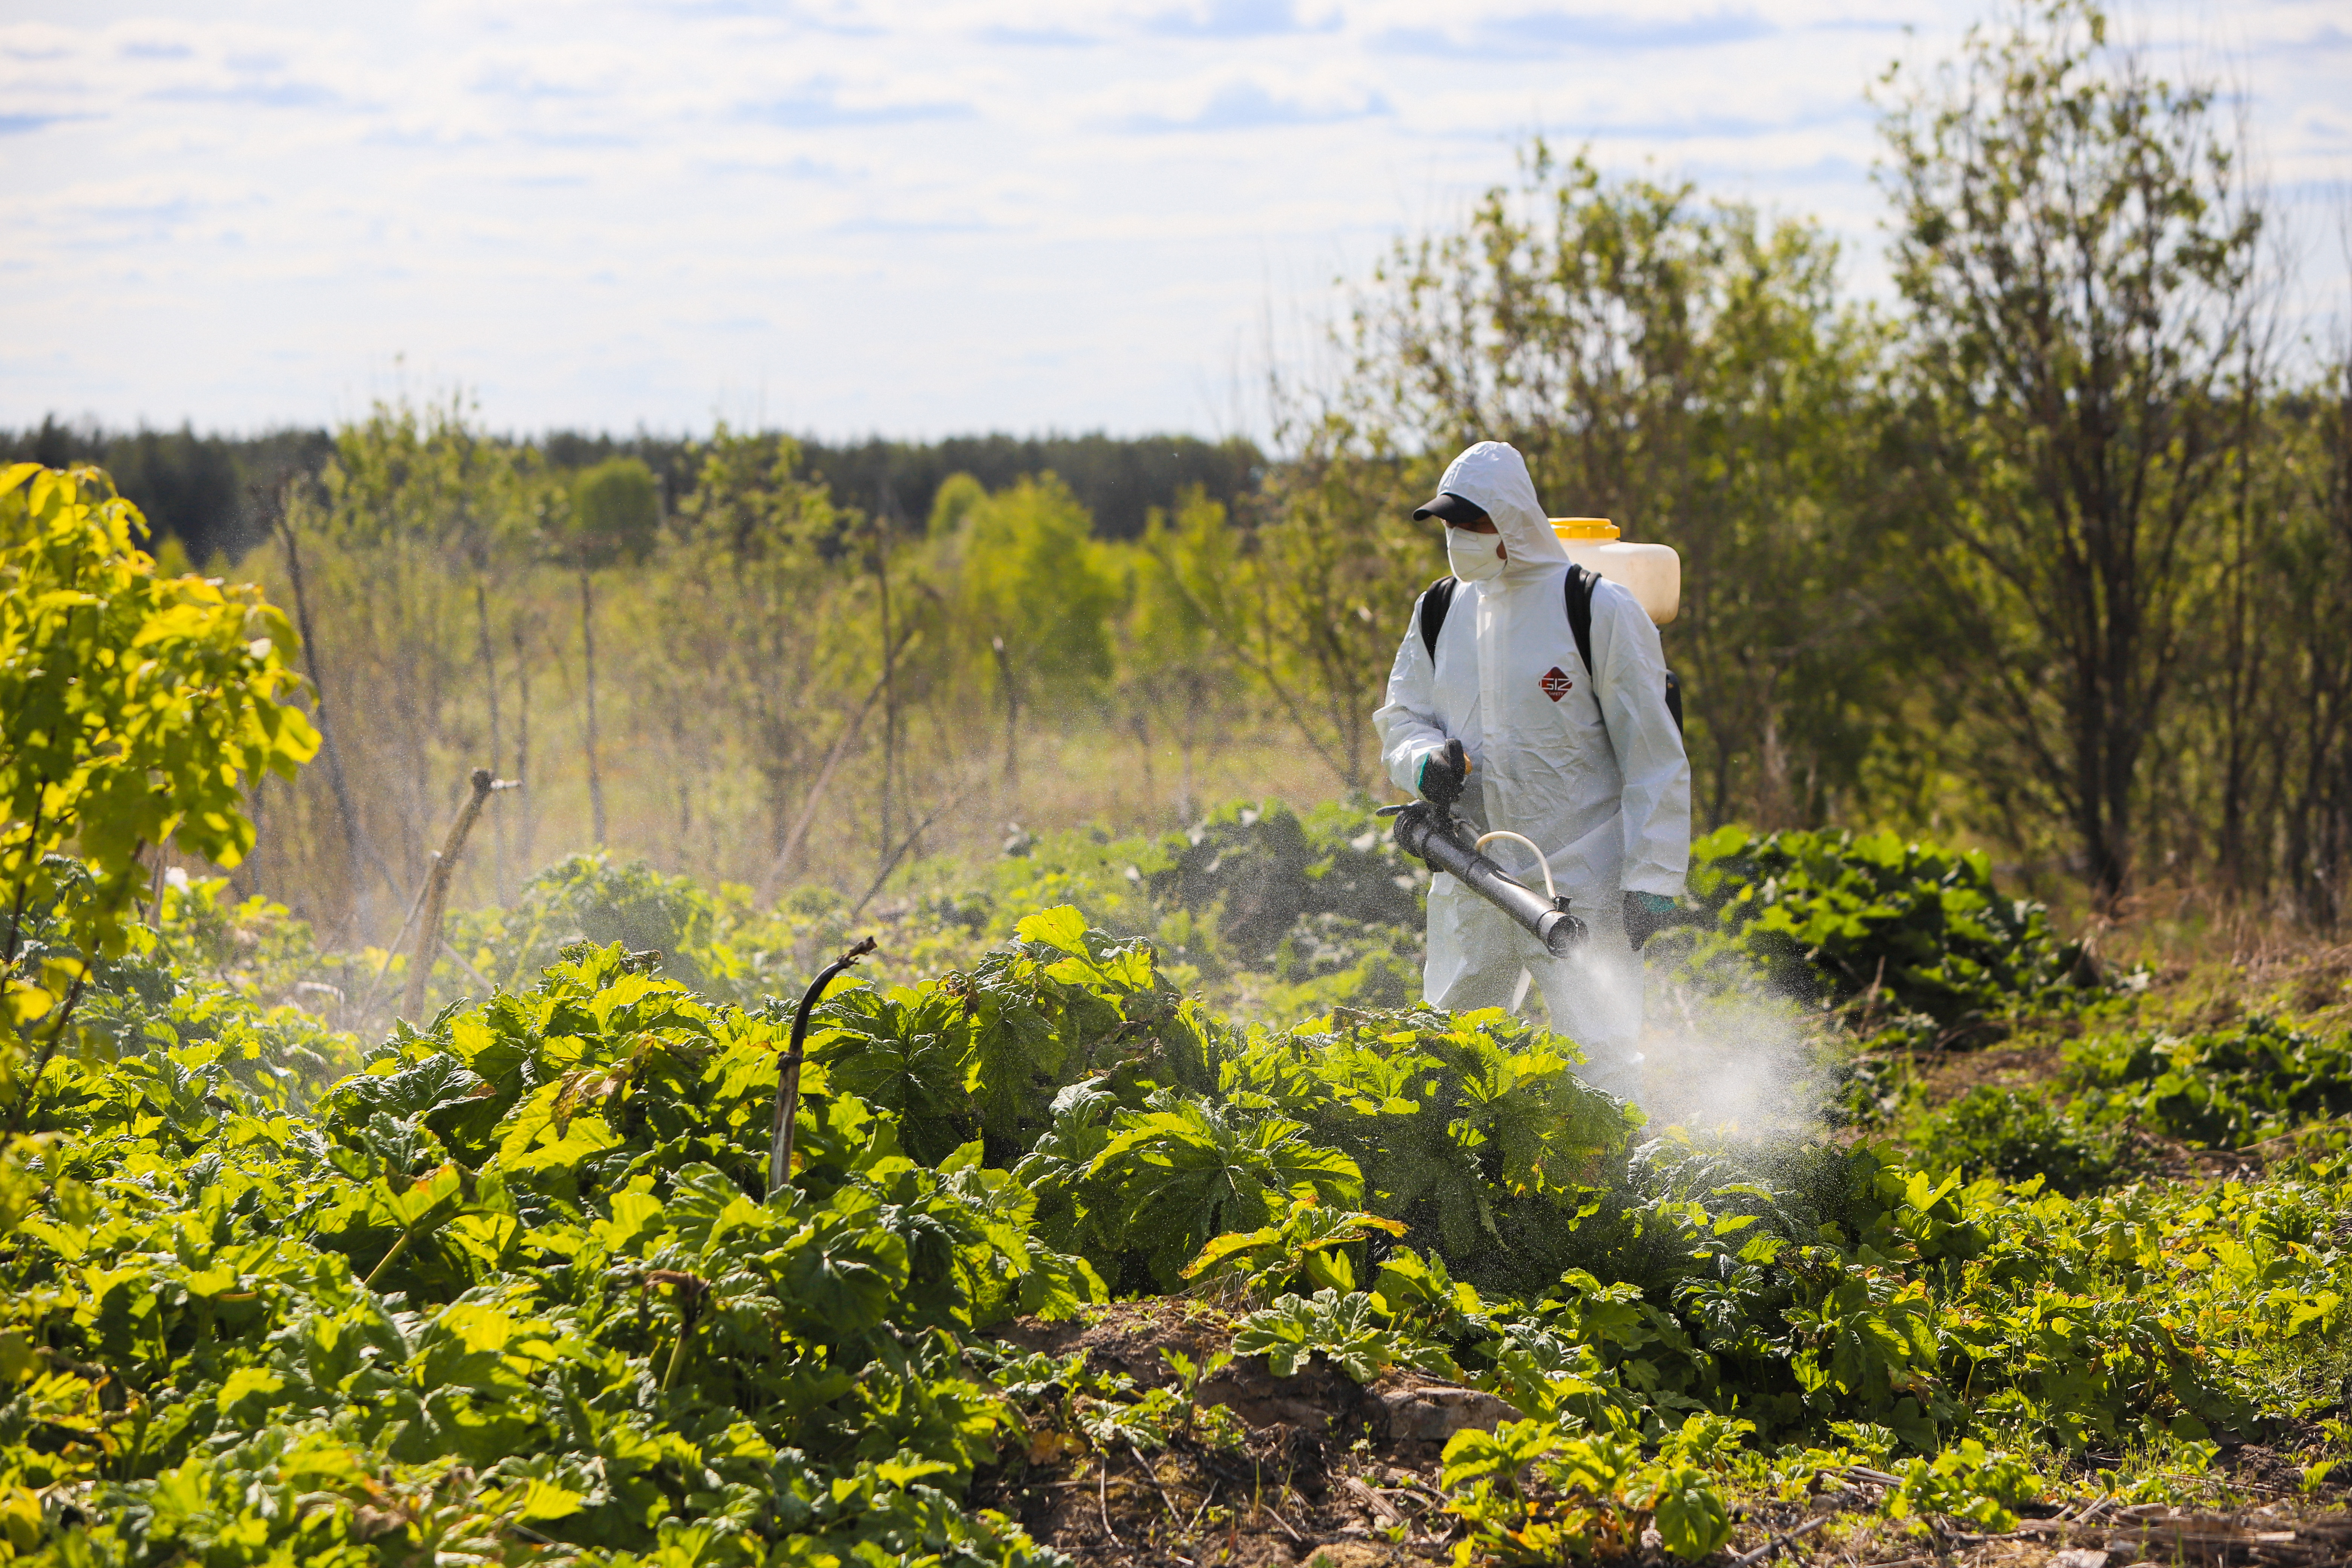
x,y
1725,1053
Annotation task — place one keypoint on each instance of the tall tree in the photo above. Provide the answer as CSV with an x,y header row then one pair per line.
x,y
749,646
135,710
1037,600
1687,371
1316,614
388,536
2078,251
616,518
1173,669
2311,553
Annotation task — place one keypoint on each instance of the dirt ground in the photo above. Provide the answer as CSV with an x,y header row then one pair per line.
x,y
1331,1475
1340,1476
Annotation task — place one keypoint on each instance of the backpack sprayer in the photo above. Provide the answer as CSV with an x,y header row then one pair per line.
x,y
1432,835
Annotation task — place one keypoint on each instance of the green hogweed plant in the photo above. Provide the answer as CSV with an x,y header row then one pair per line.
x,y
516,1289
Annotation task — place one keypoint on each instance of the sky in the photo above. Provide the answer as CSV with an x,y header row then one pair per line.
x,y
915,219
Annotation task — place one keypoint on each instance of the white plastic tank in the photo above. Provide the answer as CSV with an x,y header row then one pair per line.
x,y
1652,572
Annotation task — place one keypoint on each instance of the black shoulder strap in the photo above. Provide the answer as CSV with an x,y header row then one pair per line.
x,y
1579,623
1579,616
1435,600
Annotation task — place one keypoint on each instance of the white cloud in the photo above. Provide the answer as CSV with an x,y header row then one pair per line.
x,y
908,216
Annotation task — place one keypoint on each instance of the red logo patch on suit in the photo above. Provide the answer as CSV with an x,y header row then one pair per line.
x,y
1555,683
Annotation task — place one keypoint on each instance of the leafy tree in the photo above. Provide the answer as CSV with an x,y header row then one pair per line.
x,y
743,628
1308,601
615,514
2311,563
1173,669
615,518
958,494
134,710
1687,371
1036,598
2079,253
1333,572
415,510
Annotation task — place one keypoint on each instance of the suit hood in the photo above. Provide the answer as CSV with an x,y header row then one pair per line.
x,y
1495,475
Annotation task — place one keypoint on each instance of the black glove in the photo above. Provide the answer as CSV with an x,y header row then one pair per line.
x,y
1444,775
1648,914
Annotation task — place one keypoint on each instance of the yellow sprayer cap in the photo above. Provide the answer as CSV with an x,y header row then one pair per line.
x,y
1584,528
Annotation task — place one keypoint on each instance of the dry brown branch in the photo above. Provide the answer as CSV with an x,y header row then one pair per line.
x,y
1780,1538
436,893
771,881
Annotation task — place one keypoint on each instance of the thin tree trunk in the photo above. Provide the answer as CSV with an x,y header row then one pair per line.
x,y
1141,722
889,681
359,850
490,689
522,745
588,671
245,880
1187,742
1012,715
2242,678
773,879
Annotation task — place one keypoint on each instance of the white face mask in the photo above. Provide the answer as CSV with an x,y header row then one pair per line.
x,y
1475,557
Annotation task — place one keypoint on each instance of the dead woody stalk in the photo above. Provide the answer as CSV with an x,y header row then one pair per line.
x,y
436,894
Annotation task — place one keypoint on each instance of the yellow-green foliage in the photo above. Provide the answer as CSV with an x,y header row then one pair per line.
x,y
520,1281
135,709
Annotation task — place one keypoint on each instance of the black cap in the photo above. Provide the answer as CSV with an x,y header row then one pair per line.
x,y
1447,507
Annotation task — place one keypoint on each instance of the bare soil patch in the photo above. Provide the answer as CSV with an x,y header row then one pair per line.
x,y
1332,1475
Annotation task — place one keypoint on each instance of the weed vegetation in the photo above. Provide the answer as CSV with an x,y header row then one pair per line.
x,y
509,1284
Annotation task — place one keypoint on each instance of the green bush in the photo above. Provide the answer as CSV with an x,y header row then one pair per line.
x,y
532,1242
2012,1136
2221,1089
1838,916
220,978
589,897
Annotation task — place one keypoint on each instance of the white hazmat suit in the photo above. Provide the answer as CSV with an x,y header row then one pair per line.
x,y
1587,764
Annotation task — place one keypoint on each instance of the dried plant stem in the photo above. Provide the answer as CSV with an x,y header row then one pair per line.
x,y
436,894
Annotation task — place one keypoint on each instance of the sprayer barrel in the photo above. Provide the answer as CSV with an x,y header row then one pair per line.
x,y
1430,838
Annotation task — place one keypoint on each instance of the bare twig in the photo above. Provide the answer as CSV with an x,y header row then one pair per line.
x,y
773,879
1776,1538
1174,1517
2291,1133
1214,1486
892,864
437,892
1102,1498
367,998
1383,1509
1277,1519
1863,1472
449,950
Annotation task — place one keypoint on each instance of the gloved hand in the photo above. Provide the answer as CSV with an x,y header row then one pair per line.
x,y
1648,914
1444,775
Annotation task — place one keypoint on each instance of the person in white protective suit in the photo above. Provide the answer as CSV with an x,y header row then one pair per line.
x,y
1587,763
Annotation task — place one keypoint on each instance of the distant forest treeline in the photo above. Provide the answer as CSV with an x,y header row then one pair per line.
x,y
211,492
